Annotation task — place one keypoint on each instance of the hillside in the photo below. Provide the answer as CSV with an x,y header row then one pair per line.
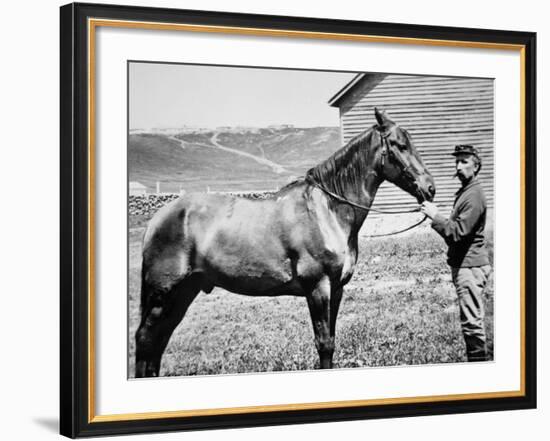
x,y
228,158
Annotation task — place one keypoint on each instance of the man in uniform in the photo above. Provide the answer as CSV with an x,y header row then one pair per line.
x,y
467,255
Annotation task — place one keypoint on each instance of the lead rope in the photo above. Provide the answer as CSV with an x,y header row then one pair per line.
x,y
364,207
353,204
399,231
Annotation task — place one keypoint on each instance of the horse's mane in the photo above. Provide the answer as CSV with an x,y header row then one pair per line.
x,y
346,167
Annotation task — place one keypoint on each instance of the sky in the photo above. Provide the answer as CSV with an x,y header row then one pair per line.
x,y
174,95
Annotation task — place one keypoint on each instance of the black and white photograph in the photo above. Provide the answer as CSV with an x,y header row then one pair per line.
x,y
291,220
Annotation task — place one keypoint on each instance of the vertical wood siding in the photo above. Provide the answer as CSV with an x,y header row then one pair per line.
x,y
438,112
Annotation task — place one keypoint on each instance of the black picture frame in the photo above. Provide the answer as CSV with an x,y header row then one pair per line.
x,y
76,417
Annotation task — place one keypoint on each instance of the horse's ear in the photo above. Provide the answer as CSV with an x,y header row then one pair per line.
x,y
381,117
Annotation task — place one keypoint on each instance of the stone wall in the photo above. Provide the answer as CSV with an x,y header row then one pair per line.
x,y
147,205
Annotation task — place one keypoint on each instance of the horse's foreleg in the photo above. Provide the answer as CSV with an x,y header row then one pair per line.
x,y
335,298
322,309
160,316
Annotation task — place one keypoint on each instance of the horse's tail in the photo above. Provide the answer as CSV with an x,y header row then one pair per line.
x,y
145,265
157,263
144,295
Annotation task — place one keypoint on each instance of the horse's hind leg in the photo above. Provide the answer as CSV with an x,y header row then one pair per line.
x,y
162,311
323,306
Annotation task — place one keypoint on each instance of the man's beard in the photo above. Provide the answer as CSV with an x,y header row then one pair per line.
x,y
458,175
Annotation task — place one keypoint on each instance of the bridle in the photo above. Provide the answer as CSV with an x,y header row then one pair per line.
x,y
387,151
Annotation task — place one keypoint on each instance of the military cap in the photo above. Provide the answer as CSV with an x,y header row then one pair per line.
x,y
464,149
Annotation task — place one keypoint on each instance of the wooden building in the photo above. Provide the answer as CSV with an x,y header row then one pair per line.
x,y
137,189
438,112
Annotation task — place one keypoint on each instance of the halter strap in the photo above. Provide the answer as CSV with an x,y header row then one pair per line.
x,y
386,151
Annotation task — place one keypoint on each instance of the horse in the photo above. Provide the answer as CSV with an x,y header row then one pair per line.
x,y
300,241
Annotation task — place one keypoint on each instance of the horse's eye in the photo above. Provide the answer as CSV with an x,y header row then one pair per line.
x,y
402,147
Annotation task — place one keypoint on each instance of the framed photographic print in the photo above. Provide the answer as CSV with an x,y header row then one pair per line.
x,y
271,220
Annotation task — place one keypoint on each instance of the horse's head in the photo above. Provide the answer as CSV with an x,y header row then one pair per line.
x,y
398,161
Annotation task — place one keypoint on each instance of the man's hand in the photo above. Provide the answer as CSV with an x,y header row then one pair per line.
x,y
429,209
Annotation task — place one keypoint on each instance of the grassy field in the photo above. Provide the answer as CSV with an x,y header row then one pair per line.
x,y
400,308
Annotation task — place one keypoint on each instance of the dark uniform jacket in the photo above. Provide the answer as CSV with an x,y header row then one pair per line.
x,y
464,230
